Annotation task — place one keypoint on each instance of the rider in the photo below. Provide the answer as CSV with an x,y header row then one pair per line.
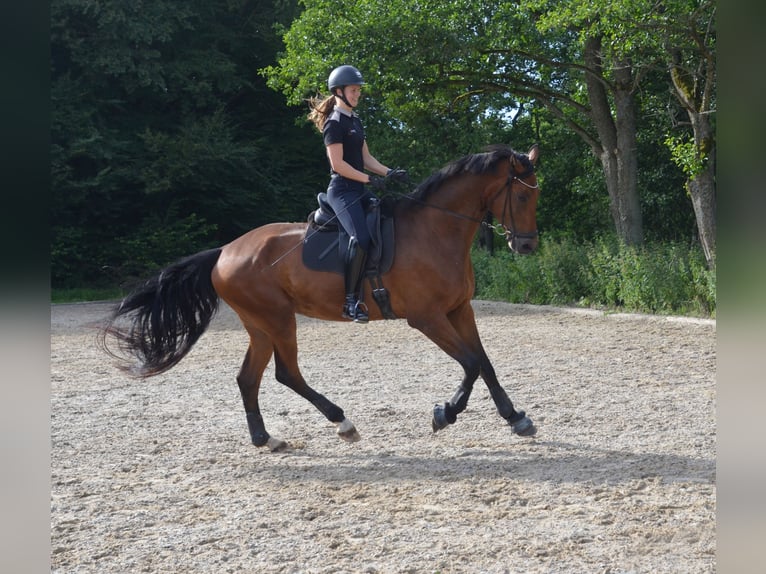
x,y
349,157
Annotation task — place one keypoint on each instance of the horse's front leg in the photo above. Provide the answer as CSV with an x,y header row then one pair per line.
x,y
464,323
440,330
520,423
446,414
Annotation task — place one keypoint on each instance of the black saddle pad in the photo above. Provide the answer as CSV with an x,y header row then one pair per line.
x,y
325,249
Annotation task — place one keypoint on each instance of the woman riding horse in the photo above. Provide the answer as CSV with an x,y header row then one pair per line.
x,y
261,276
349,156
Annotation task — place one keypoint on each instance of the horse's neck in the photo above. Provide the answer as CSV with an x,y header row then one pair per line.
x,y
465,196
458,205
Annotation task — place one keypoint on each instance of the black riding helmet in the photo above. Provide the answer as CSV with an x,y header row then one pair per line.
x,y
343,76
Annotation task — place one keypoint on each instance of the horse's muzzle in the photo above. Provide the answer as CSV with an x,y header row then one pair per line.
x,y
523,244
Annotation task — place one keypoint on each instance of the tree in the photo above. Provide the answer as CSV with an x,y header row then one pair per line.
x,y
482,60
624,43
690,42
582,61
398,47
164,137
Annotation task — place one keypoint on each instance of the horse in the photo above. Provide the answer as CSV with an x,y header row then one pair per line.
x,y
261,276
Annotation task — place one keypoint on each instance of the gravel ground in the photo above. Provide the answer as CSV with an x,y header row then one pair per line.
x,y
159,475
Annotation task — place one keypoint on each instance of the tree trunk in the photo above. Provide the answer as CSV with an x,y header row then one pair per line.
x,y
702,186
702,191
617,141
487,234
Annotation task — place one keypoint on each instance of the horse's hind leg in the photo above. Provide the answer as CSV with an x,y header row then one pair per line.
x,y
249,380
295,381
288,373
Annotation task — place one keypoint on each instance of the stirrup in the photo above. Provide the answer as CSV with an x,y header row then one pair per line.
x,y
356,311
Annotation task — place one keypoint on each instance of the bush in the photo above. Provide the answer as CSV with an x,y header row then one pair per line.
x,y
564,271
507,277
156,243
665,278
79,261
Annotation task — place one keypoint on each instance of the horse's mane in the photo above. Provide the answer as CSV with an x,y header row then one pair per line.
x,y
477,163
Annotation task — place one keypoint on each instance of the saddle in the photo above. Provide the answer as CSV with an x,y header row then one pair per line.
x,y
325,244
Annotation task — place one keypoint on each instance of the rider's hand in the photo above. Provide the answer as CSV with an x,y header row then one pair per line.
x,y
397,174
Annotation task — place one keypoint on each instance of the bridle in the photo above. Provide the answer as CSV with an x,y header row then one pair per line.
x,y
500,228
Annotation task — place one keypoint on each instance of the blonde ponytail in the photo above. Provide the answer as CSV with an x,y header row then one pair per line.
x,y
320,110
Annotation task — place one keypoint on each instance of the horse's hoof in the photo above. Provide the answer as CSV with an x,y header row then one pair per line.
x,y
262,438
440,418
347,431
277,444
524,427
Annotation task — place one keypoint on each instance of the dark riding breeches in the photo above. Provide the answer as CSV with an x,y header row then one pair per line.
x,y
348,199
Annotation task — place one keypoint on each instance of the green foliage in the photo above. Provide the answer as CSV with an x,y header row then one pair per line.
x,y
203,168
687,155
170,130
420,62
164,138
665,205
128,257
157,242
494,281
665,278
574,202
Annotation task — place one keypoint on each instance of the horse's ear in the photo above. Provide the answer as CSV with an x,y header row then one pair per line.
x,y
534,154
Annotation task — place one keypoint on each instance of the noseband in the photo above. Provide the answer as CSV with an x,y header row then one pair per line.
x,y
501,229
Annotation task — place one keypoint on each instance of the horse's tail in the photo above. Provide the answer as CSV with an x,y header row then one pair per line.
x,y
165,316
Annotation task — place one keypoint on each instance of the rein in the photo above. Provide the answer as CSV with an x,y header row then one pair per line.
x,y
500,228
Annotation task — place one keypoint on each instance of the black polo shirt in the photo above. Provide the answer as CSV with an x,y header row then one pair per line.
x,y
346,128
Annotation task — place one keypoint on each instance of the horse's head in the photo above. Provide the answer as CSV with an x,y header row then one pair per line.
x,y
515,205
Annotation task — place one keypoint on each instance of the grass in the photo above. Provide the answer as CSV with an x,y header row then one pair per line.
x,y
80,295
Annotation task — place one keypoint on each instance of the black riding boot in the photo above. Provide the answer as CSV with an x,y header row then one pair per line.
x,y
354,268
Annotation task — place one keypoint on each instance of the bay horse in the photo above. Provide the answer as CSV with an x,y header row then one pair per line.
x,y
261,276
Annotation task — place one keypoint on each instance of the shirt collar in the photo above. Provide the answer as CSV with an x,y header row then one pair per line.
x,y
346,112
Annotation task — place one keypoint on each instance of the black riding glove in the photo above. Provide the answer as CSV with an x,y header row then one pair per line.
x,y
396,174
